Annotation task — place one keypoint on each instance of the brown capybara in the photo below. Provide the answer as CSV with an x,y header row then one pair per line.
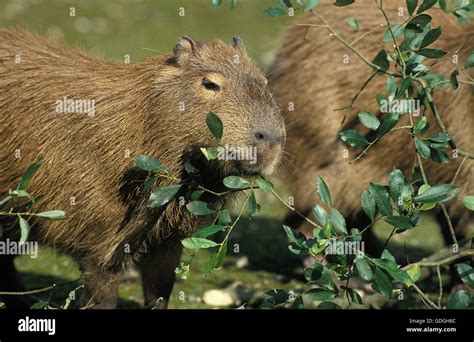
x,y
156,107
314,74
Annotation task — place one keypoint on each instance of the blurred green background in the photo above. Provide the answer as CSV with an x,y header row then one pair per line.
x,y
142,29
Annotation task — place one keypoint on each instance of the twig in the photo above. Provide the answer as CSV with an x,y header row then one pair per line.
x,y
23,293
440,282
295,211
424,297
450,224
350,47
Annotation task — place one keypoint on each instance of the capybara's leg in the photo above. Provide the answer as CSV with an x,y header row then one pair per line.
x,y
101,286
158,272
10,282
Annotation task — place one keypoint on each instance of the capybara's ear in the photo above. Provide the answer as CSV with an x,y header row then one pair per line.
x,y
238,44
184,48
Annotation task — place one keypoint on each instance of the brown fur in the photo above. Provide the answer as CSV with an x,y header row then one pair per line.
x,y
309,72
136,111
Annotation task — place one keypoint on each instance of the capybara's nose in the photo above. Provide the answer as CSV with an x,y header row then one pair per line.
x,y
269,138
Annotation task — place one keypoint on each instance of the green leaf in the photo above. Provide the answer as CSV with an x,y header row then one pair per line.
x,y
199,208
264,185
404,85
342,3
468,202
397,31
363,268
414,272
53,214
236,182
25,179
459,300
438,155
337,221
216,2
430,37
387,124
215,125
427,4
438,193
453,79
276,296
196,194
440,138
19,193
398,274
426,206
411,5
353,23
319,275
399,185
400,222
209,230
422,19
221,255
354,296
387,255
41,305
210,153
466,273
224,217
162,195
147,163
369,120
368,204
190,168
251,206
381,60
320,294
210,266
391,87
382,284
24,230
197,243
382,199
323,191
422,148
310,4
320,214
275,11
420,125
149,182
297,239
431,53
353,138
470,61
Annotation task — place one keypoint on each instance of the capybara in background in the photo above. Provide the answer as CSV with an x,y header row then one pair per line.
x,y
157,108
309,73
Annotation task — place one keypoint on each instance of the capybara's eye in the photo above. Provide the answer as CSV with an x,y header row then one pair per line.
x,y
209,85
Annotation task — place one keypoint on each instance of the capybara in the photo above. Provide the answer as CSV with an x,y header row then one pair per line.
x,y
315,74
158,108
